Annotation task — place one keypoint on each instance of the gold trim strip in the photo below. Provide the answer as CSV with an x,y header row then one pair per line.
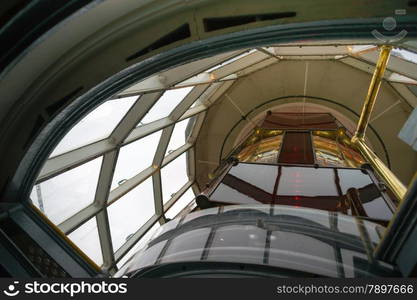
x,y
358,139
390,179
373,91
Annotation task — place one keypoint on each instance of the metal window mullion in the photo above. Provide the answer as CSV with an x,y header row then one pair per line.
x,y
135,238
196,188
202,78
251,69
196,128
240,64
134,116
66,161
191,164
61,163
102,193
105,178
188,100
404,94
76,157
176,75
173,155
156,177
157,195
75,221
396,65
142,176
269,53
155,126
177,196
210,91
130,184
193,111
162,89
162,146
218,93
142,131
106,244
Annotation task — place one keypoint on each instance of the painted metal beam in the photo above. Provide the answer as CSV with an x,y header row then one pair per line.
x,y
240,64
133,117
162,146
105,178
188,100
197,128
106,244
157,196
168,204
131,242
75,221
176,75
191,171
64,162
131,183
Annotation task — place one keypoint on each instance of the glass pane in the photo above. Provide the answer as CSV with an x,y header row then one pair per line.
x,y
262,177
377,208
317,218
370,199
236,195
247,184
408,132
200,78
353,158
353,179
413,89
130,212
180,204
64,195
295,251
146,258
405,54
139,245
309,187
328,153
165,105
135,157
200,213
401,78
238,243
178,136
264,151
296,148
188,246
298,181
86,238
35,199
229,61
97,125
173,177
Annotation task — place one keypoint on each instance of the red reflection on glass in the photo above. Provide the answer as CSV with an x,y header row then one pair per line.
x,y
296,149
303,121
